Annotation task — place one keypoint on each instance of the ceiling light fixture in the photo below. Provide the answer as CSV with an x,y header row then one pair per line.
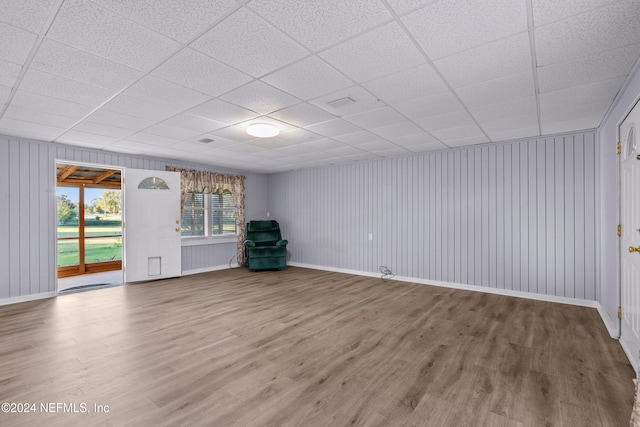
x,y
262,130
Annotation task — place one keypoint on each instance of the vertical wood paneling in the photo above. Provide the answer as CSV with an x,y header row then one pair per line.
x,y
5,225
14,219
517,216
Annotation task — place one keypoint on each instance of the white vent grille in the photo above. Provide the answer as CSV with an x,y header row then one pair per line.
x,y
341,102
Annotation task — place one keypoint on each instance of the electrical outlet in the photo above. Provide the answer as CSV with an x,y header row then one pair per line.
x,y
370,236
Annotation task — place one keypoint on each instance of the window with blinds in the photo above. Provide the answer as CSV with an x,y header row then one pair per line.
x,y
207,215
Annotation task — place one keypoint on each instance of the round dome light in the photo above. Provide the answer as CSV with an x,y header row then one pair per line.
x,y
262,130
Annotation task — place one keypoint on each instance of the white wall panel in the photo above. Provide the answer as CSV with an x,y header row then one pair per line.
x,y
27,211
518,216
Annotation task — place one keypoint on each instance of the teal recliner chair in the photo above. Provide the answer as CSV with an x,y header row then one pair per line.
x,y
265,248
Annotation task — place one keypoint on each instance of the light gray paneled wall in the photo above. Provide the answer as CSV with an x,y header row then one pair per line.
x,y
518,216
27,211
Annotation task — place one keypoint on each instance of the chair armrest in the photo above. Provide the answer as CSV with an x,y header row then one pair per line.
x,y
282,243
249,243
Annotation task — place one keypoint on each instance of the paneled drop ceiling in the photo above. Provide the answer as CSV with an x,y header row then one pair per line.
x,y
344,80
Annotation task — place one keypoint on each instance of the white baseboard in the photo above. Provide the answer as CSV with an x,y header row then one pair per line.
x,y
31,297
632,360
612,325
208,269
475,288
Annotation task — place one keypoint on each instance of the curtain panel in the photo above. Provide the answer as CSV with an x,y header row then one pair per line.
x,y
196,181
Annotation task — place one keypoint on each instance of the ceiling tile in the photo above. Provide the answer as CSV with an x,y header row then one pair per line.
x,y
44,118
163,92
260,97
513,114
270,143
423,140
501,58
179,19
359,58
11,126
346,150
173,132
467,141
511,134
302,115
15,43
47,104
324,144
606,28
62,60
9,73
258,48
362,101
200,72
376,118
86,139
407,84
446,121
224,112
59,87
395,152
397,130
497,90
30,15
304,151
440,103
244,148
597,92
299,136
321,23
195,123
565,119
89,27
232,133
447,27
377,145
139,108
103,130
333,127
359,138
588,69
199,148
121,120
403,6
5,92
309,78
152,139
548,11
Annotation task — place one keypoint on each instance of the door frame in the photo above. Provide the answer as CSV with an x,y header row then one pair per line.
x,y
619,159
55,210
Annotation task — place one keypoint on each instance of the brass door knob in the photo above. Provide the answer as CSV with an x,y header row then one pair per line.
x,y
632,249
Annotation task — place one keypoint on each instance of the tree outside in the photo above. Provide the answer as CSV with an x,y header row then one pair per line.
x,y
67,210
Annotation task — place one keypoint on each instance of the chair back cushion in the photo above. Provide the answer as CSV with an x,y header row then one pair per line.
x,y
264,233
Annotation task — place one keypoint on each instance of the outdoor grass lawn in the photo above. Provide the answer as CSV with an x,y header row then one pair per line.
x,y
96,250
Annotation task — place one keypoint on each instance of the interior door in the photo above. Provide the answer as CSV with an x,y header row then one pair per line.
x,y
152,225
630,238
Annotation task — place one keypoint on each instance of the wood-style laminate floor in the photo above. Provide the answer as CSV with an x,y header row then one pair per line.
x,y
308,348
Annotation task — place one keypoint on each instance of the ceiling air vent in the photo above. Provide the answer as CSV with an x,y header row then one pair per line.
x,y
341,102
206,140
